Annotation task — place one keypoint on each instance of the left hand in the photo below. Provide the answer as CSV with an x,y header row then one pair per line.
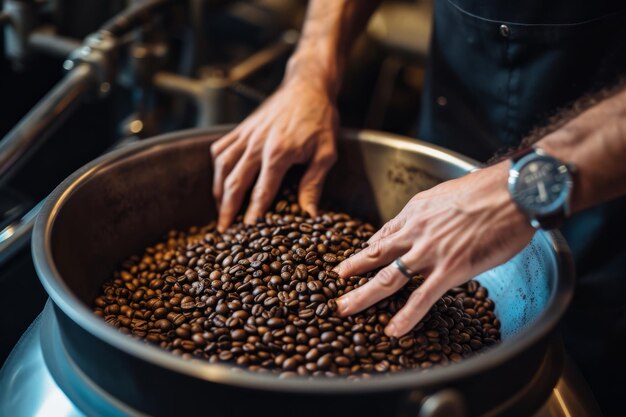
x,y
450,233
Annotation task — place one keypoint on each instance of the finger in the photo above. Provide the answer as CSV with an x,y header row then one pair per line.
x,y
385,283
310,189
270,178
224,142
379,253
224,164
235,187
388,228
418,304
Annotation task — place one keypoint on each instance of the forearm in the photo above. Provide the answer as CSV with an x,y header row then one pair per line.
x,y
595,142
329,31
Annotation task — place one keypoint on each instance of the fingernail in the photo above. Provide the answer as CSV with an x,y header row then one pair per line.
x,y
391,330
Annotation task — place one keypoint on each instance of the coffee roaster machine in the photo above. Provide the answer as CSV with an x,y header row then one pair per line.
x,y
153,66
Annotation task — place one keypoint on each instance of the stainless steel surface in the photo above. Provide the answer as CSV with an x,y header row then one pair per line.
x,y
45,40
114,198
28,389
43,119
17,234
571,397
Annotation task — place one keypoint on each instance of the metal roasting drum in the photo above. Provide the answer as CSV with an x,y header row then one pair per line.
x,y
127,199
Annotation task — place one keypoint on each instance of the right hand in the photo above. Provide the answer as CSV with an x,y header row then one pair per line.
x,y
296,125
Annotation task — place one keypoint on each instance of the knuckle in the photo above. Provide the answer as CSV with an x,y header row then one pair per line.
x,y
215,147
386,278
327,159
388,227
221,163
420,295
275,156
255,145
232,183
375,250
260,193
420,222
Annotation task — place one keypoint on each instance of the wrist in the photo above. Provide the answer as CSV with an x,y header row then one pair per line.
x,y
316,69
499,202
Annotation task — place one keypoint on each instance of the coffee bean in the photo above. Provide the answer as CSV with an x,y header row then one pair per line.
x,y
306,314
328,337
330,258
163,324
264,297
322,310
342,361
324,361
239,335
276,322
188,345
382,366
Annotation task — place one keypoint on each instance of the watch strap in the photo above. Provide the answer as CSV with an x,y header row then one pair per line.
x,y
551,221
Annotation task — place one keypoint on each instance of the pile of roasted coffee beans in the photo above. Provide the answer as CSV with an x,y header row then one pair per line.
x,y
263,297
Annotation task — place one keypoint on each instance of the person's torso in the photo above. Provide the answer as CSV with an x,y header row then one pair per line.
x,y
498,69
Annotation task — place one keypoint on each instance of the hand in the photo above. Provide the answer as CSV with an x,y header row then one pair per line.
x,y
296,125
449,233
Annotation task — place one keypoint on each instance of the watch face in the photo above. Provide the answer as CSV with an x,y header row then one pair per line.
x,y
542,185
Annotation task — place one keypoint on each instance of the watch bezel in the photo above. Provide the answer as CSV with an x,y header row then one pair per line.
x,y
560,204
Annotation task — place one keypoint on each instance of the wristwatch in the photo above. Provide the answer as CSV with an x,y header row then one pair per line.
x,y
541,186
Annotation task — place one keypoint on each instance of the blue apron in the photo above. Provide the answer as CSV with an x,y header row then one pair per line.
x,y
497,70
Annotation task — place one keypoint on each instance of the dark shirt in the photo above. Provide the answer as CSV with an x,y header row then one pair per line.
x,y
497,70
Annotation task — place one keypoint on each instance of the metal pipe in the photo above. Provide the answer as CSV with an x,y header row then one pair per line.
x,y
133,16
43,119
264,57
16,235
177,84
208,93
45,40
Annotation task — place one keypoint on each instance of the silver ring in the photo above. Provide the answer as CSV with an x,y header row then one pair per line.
x,y
403,268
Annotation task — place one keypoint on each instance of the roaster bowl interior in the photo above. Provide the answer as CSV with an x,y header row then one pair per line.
x,y
116,208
